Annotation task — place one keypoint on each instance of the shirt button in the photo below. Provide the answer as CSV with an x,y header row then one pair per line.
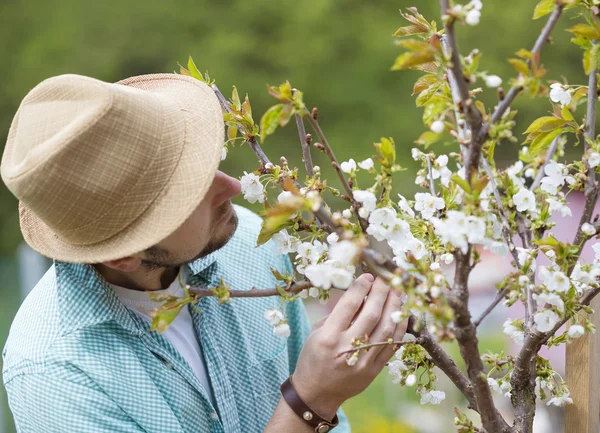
x,y
214,416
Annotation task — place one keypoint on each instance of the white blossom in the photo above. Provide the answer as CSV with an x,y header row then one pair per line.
x,y
403,204
493,81
363,212
345,252
576,331
473,17
332,238
556,175
559,94
223,153
514,331
252,189
556,205
366,198
282,330
525,255
367,164
447,258
437,126
347,213
273,316
330,274
594,159
285,243
545,320
395,369
550,298
411,380
428,204
415,153
433,397
285,197
523,280
588,229
555,281
524,200
348,166
494,385
560,400
352,359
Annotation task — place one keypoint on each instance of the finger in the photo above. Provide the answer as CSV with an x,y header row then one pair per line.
x,y
345,309
388,351
371,311
320,322
386,327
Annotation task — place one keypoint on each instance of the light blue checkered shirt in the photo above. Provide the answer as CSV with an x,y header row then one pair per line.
x,y
77,360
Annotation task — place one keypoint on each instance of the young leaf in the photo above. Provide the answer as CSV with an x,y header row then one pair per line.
x,y
542,141
544,124
544,7
270,121
194,70
411,59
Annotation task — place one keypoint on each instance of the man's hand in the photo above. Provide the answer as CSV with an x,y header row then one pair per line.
x,y
324,380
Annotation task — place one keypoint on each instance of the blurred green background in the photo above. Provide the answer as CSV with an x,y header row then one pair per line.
x,y
338,52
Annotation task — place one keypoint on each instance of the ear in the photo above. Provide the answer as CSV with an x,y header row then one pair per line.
x,y
126,264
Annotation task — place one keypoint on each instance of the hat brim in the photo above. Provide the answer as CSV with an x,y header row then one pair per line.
x,y
189,183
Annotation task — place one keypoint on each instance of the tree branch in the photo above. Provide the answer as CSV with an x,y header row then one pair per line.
x,y
537,48
306,158
255,292
499,297
381,343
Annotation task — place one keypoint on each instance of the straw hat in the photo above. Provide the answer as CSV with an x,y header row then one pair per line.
x,y
105,170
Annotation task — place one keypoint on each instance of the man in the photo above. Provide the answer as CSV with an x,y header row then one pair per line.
x,y
118,183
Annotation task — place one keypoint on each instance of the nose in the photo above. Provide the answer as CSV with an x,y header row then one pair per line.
x,y
224,187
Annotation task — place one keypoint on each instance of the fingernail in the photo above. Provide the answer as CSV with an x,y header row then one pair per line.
x,y
369,277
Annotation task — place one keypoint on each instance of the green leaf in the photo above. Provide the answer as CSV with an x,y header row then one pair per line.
x,y
544,7
591,59
544,124
387,150
424,82
232,132
194,70
566,113
542,141
412,29
427,94
585,31
461,182
520,66
162,318
412,59
428,138
235,99
270,121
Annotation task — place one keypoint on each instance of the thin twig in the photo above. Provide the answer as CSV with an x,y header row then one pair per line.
x,y
314,123
254,292
306,158
537,48
430,170
381,343
499,297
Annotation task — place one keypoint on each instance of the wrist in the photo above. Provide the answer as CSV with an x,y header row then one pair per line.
x,y
319,402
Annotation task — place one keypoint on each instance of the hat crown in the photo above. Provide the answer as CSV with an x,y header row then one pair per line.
x,y
88,157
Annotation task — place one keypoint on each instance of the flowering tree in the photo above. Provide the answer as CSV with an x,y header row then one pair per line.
x,y
477,206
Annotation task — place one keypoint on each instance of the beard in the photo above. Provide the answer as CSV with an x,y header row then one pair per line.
x,y
162,258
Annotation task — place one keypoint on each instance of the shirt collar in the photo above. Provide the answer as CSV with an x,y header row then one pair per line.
x,y
85,299
202,264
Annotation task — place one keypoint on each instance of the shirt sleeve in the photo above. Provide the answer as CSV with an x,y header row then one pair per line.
x,y
42,403
300,328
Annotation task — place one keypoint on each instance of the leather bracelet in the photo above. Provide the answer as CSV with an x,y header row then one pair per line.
x,y
319,424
